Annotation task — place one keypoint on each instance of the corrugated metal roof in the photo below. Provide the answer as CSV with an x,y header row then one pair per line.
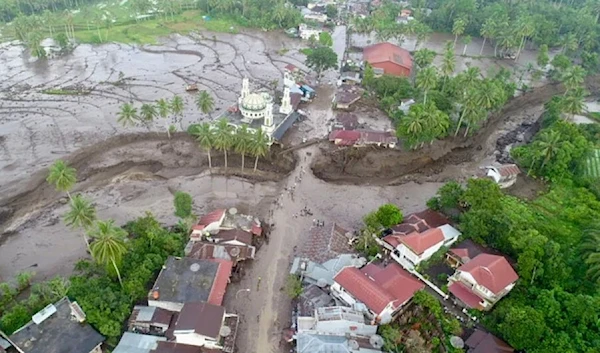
x,y
137,343
145,313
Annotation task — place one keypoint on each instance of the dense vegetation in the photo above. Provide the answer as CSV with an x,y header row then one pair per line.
x,y
553,239
97,22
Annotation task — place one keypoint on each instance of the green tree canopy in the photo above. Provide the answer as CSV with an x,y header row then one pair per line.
x,y
321,59
388,215
183,204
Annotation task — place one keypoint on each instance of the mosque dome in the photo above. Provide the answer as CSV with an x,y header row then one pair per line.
x,y
254,101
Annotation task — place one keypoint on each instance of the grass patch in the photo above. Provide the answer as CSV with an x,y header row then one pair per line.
x,y
65,92
592,164
306,51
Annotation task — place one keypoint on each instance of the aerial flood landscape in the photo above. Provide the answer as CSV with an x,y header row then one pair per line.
x,y
307,176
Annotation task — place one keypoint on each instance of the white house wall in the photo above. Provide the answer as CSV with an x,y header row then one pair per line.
x,y
338,291
345,327
171,306
194,339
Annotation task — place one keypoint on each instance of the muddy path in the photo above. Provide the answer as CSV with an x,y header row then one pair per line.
x,y
157,155
452,158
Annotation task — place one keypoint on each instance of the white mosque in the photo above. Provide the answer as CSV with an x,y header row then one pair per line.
x,y
258,109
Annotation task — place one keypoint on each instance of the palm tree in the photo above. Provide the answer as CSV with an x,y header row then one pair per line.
x,y
223,137
525,28
466,42
62,176
435,121
487,31
128,115
473,116
469,105
243,142
205,102
548,144
470,76
590,249
148,113
573,103
205,136
412,126
177,109
488,94
448,62
573,77
82,214
424,57
163,108
458,28
109,245
259,147
426,80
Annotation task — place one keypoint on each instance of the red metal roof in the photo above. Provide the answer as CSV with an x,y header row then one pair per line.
x,y
256,230
345,137
485,342
291,67
382,52
212,217
491,271
220,282
465,295
419,242
509,169
377,287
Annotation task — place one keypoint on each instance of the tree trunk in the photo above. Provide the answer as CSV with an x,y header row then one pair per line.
x,y
467,130
496,49
255,164
482,46
243,160
455,39
225,160
465,49
520,48
118,273
209,160
459,122
424,97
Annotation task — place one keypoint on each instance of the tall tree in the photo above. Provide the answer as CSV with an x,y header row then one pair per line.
x,y
223,137
426,80
108,247
321,59
205,102
573,77
573,103
183,204
448,62
525,28
424,57
128,115
487,31
81,214
466,41
62,177
590,249
458,28
260,146
243,142
177,109
205,136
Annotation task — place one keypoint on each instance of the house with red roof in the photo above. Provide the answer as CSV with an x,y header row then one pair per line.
x,y
482,281
389,59
420,236
225,220
381,290
505,175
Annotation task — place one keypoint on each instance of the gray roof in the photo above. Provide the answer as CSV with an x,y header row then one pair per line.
x,y
58,333
285,125
325,271
312,298
308,343
184,280
137,343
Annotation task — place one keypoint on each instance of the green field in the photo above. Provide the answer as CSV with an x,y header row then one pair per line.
x,y
592,164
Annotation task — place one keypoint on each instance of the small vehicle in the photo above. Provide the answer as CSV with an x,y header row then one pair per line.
x,y
191,88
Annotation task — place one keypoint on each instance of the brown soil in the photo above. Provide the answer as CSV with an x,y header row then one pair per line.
x,y
395,166
147,154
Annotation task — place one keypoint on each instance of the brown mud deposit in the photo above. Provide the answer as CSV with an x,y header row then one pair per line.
x,y
452,158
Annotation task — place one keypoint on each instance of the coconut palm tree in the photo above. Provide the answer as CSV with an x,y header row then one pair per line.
x,y
223,137
448,62
469,105
108,247
148,113
177,109
548,145
243,142
260,146
205,102
573,77
458,28
466,41
590,249
412,126
426,80
82,214
205,136
525,28
435,121
487,31
573,103
128,115
62,176
424,57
